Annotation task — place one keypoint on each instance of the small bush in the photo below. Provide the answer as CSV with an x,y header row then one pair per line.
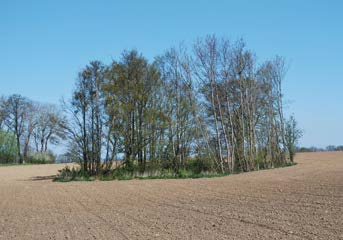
x,y
199,165
122,172
68,174
8,147
183,173
260,162
289,164
167,173
41,158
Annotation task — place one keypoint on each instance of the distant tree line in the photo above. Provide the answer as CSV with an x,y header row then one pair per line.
x,y
210,108
318,149
27,128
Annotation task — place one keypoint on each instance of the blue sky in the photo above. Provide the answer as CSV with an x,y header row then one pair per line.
x,y
43,44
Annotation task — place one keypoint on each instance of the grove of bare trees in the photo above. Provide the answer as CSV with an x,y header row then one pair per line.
x,y
27,128
208,108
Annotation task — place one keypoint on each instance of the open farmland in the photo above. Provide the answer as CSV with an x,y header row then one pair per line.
x,y
300,202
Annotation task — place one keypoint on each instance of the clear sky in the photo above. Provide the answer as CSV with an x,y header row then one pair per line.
x,y
43,44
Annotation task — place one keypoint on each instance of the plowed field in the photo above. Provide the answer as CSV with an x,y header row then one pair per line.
x,y
300,202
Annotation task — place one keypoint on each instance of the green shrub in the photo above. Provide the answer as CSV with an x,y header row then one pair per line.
x,y
167,173
68,174
122,172
199,165
41,158
8,147
183,173
260,162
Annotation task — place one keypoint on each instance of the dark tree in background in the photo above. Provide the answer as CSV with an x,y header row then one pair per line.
x,y
292,136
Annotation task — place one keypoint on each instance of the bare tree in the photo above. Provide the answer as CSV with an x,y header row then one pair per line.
x,y
48,122
207,70
2,111
179,104
292,136
86,124
29,127
16,108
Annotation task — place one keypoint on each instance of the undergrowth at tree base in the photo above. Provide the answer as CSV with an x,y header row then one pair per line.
x,y
16,164
68,174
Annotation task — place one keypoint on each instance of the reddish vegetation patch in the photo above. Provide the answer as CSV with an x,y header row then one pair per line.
x,y
300,202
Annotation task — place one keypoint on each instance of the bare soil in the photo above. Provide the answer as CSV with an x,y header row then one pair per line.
x,y
300,202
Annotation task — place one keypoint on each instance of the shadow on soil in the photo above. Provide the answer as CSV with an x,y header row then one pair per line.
x,y
42,178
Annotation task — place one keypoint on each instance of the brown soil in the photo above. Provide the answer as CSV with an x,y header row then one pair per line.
x,y
300,202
